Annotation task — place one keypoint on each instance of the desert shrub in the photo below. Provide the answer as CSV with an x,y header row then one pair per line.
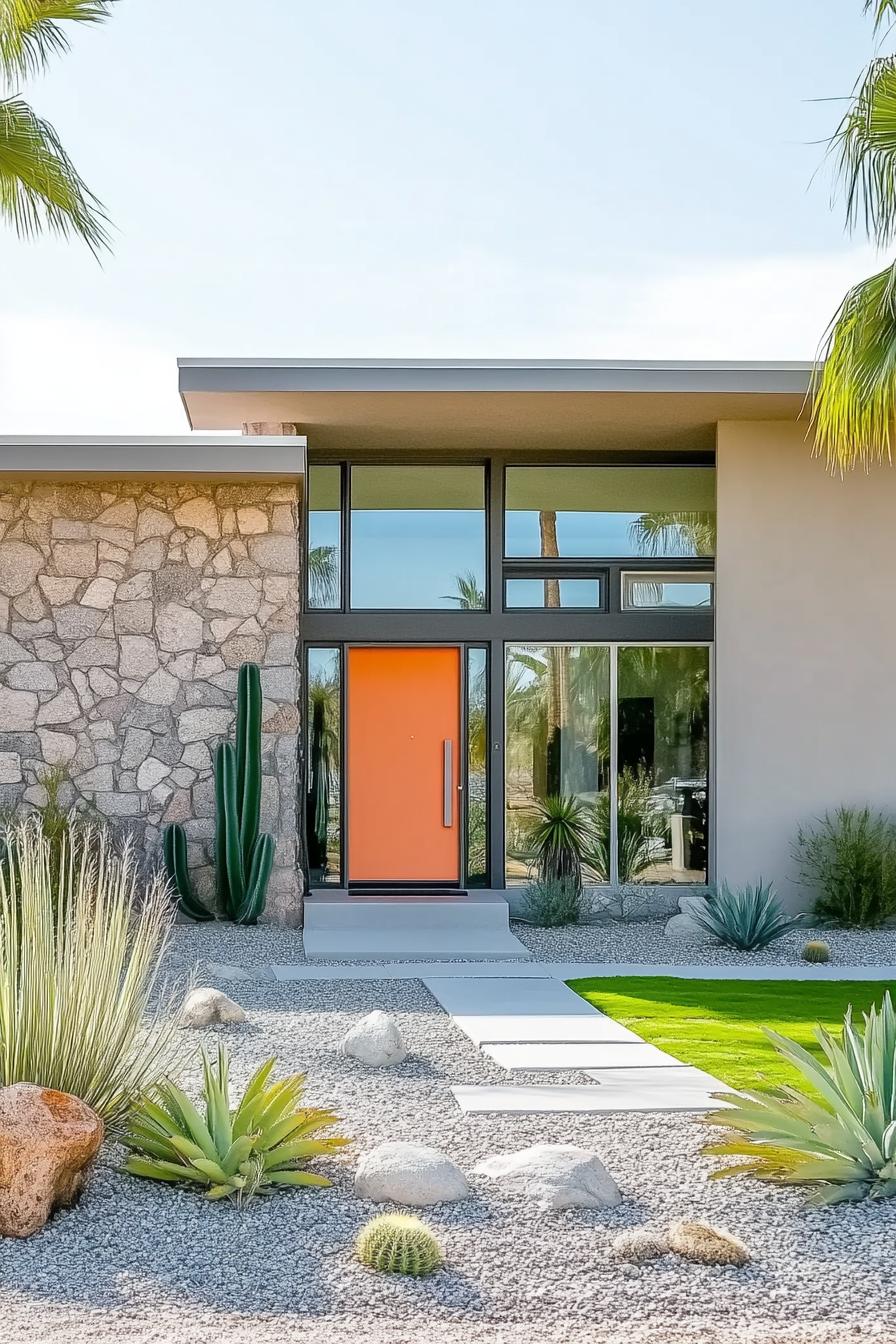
x,y
638,826
558,838
838,1134
261,1145
848,859
398,1243
745,918
80,958
552,903
816,951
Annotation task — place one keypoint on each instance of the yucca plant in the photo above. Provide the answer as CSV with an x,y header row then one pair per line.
x,y
559,837
81,945
839,1135
745,918
261,1145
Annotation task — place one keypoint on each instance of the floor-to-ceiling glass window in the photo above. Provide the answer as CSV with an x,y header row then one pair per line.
x,y
323,748
558,742
559,711
662,776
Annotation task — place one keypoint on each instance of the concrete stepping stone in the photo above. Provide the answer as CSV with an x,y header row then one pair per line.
x,y
580,1055
504,996
672,1092
543,1027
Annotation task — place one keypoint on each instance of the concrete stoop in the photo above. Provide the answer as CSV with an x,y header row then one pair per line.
x,y
343,926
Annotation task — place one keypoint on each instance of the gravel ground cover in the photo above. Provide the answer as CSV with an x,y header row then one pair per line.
x,y
140,1262
641,943
646,944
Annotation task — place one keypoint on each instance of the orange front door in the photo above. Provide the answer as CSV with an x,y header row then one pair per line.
x,y
403,740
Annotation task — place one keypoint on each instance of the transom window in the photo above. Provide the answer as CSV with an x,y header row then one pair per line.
x,y
568,511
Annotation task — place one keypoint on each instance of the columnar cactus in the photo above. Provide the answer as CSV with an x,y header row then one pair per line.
x,y
243,856
396,1243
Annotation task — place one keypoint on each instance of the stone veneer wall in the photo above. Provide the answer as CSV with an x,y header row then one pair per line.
x,y
126,608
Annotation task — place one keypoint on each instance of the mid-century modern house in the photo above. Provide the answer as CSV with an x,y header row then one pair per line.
x,y
471,586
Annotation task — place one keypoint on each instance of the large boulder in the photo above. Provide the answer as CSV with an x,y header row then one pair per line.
x,y
210,1008
555,1176
683,928
48,1140
409,1173
375,1040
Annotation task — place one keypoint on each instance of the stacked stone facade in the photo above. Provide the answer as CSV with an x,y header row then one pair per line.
x,y
126,609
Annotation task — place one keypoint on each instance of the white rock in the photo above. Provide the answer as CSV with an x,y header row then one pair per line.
x,y
375,1040
100,594
555,1176
409,1173
681,928
199,514
210,1007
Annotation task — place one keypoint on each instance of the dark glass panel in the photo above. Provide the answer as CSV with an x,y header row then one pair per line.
x,y
477,753
324,558
323,724
539,593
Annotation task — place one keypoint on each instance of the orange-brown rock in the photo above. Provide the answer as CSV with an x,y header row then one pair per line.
x,y
47,1142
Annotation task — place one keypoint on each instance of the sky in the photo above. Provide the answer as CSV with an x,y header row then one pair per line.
x,y
412,178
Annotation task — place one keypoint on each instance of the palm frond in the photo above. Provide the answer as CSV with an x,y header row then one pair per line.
x,y
854,384
864,146
881,9
30,31
39,186
666,533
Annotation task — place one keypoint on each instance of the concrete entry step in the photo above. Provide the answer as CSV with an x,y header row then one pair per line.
x,y
373,927
673,1089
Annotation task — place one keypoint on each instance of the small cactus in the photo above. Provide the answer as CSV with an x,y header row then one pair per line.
x,y
396,1243
817,951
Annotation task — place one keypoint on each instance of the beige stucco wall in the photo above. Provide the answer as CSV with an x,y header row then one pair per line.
x,y
805,646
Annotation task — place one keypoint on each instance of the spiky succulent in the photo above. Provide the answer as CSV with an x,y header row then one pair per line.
x,y
746,918
839,1134
397,1243
816,951
260,1145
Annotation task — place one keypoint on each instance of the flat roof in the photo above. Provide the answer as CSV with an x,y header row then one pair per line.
x,y
470,405
221,456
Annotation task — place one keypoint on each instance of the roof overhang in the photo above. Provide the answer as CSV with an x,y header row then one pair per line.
x,y
214,456
462,405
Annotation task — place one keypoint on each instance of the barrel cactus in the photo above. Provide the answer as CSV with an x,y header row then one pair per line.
x,y
397,1243
816,951
243,856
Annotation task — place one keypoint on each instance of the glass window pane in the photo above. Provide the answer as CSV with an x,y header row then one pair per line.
x,y
552,593
477,751
323,757
558,744
418,537
663,764
324,537
643,592
610,511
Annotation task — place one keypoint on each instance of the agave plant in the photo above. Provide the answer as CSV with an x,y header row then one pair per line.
x,y
559,837
260,1145
838,1136
745,918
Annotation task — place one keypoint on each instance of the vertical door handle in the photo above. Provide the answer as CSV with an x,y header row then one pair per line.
x,y
447,782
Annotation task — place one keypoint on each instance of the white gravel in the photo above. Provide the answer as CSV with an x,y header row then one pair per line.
x,y
646,944
642,943
140,1262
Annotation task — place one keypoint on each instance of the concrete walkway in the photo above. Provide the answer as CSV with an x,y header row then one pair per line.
x,y
547,1026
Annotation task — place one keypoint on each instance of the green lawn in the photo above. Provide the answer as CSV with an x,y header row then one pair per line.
x,y
717,1024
